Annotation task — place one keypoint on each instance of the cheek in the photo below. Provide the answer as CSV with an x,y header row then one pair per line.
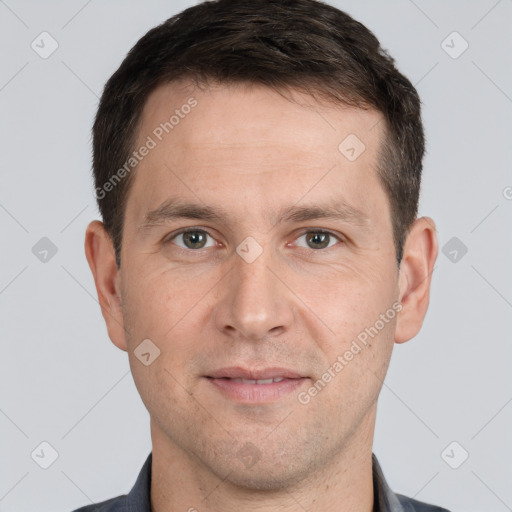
x,y
357,363
159,303
350,300
167,396
166,309
360,310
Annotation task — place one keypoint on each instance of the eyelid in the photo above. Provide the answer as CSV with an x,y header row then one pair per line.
x,y
305,231
174,234
338,237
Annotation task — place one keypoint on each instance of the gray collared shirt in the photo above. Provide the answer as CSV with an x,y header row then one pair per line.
x,y
138,499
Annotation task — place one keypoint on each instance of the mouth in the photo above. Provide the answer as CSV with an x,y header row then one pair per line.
x,y
255,386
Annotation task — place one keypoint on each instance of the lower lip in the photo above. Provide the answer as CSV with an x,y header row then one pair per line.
x,y
256,393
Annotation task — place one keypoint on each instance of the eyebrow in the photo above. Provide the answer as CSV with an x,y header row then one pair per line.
x,y
176,208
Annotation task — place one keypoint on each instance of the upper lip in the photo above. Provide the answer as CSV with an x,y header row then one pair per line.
x,y
238,372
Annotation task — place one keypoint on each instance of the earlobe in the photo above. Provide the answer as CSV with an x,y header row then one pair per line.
x,y
419,256
100,255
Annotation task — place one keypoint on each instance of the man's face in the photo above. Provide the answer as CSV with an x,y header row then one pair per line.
x,y
217,309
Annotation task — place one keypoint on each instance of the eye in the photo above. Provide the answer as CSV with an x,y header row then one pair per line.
x,y
319,239
191,239
196,239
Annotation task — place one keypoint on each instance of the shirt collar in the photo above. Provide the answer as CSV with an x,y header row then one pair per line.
x,y
138,499
385,500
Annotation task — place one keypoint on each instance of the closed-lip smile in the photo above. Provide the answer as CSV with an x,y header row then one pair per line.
x,y
251,385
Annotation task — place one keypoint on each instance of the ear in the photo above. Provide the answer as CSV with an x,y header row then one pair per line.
x,y
100,254
419,256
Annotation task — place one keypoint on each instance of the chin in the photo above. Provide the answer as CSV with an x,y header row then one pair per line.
x,y
271,470
264,479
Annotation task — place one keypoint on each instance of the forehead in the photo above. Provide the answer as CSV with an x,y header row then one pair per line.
x,y
249,137
245,113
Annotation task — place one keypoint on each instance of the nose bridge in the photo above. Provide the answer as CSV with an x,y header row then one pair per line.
x,y
253,306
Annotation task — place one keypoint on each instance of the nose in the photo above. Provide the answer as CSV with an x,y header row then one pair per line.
x,y
253,303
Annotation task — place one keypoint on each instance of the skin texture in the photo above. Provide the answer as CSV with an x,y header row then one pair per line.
x,y
251,151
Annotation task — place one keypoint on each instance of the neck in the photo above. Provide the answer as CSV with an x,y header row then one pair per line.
x,y
181,482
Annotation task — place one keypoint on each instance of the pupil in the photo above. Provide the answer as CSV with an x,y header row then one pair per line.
x,y
320,238
195,238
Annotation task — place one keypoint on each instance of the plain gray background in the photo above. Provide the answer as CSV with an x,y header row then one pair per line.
x,y
64,383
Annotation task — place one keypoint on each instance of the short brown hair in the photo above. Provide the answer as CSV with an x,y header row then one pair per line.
x,y
305,45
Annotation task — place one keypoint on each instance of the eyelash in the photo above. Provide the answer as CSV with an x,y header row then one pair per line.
x,y
304,232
